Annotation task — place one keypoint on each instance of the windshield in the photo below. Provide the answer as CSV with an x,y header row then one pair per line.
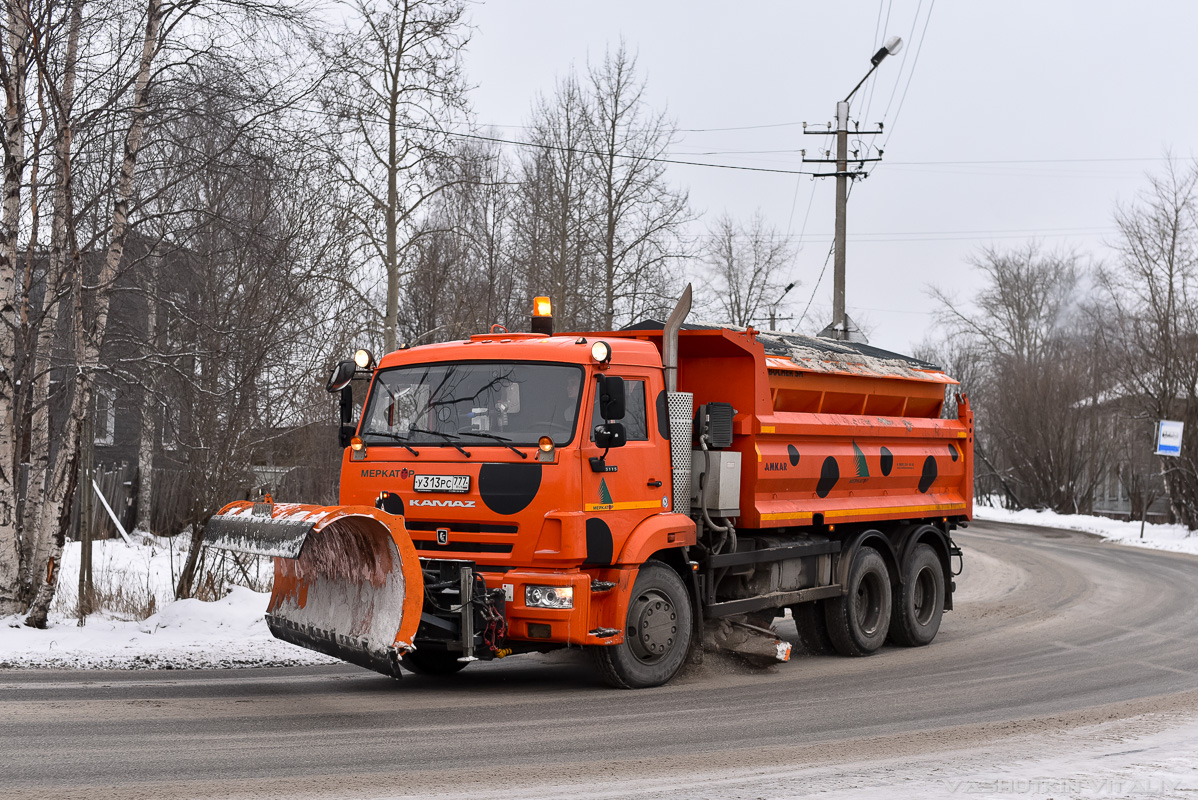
x,y
475,404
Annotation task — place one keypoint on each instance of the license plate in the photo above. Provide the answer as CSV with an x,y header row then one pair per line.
x,y
442,483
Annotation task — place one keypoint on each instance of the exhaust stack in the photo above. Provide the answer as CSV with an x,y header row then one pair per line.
x,y
669,340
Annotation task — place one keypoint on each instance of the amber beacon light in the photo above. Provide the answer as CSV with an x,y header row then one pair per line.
x,y
542,316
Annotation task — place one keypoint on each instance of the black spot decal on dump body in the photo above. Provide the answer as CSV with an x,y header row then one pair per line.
x,y
887,461
508,488
952,450
599,543
929,474
390,502
829,474
663,416
793,452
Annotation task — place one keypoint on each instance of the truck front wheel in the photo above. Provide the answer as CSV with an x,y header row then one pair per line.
x,y
859,620
657,632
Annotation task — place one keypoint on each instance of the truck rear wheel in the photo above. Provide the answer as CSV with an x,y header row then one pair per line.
x,y
657,632
919,599
431,662
812,627
859,620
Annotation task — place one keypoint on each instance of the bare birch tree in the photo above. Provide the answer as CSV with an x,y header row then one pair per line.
x,y
639,216
1035,377
395,87
744,265
1150,319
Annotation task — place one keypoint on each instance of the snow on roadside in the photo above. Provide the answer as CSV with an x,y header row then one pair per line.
x,y
183,634
1156,536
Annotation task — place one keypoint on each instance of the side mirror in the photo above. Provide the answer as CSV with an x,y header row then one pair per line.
x,y
611,398
610,434
343,373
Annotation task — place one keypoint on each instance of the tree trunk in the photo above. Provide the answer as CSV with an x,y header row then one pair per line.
x,y
14,165
146,441
56,515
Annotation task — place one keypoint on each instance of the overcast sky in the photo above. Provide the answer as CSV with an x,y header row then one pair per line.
x,y
1048,82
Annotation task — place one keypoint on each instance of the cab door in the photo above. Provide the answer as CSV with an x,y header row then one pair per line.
x,y
634,484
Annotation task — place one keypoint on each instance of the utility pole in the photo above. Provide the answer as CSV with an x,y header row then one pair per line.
x,y
840,326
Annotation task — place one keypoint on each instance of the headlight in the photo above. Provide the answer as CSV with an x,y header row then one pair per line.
x,y
364,359
549,596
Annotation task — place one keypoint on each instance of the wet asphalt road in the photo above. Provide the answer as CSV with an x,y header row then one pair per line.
x,y
1047,622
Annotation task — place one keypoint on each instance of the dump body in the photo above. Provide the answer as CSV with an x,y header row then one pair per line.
x,y
830,433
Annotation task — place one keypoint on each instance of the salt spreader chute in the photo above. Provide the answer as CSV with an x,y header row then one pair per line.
x,y
348,581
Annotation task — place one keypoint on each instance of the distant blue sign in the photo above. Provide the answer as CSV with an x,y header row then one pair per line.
x,y
1168,438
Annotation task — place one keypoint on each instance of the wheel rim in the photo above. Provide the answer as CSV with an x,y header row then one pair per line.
x,y
869,604
923,596
652,626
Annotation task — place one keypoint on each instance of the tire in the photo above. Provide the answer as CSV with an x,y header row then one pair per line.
x,y
859,620
812,627
919,599
437,663
657,633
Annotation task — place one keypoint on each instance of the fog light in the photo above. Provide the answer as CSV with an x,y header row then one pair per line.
x,y
549,596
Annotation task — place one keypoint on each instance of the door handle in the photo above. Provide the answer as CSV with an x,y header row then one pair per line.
x,y
655,484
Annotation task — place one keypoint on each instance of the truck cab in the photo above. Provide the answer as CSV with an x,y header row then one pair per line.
x,y
493,451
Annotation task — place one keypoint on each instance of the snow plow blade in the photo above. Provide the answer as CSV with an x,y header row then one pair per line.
x,y
348,582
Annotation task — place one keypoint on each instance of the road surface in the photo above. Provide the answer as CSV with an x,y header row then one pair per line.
x,y
1053,632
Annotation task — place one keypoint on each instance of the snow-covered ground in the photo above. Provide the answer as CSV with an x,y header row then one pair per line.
x,y
1158,537
230,632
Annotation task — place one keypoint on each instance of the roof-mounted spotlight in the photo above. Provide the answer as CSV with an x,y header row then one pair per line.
x,y
601,352
364,359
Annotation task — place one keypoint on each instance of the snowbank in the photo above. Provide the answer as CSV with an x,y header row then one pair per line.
x,y
1156,537
230,632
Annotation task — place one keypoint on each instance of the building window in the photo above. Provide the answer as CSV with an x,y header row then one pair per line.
x,y
105,419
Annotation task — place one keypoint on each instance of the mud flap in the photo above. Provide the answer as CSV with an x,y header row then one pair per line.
x,y
348,582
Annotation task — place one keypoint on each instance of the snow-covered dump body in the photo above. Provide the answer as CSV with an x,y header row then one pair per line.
x,y
829,432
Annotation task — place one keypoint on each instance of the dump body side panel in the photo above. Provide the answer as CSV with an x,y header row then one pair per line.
x,y
855,439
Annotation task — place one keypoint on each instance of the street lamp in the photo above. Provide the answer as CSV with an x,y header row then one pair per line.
x,y
839,329
774,307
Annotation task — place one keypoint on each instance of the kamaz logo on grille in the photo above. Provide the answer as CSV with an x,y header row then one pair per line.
x,y
444,503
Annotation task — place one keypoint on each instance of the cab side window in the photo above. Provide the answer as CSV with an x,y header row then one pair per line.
x,y
635,421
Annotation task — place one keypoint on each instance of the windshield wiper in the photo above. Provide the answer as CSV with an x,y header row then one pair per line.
x,y
501,439
394,437
448,437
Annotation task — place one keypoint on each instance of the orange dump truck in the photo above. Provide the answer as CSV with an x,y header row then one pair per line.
x,y
637,493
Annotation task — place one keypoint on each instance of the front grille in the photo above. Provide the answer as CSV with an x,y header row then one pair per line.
x,y
461,547
459,527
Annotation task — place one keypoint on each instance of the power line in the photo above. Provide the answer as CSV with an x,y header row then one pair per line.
x,y
556,148
922,35
873,86
903,64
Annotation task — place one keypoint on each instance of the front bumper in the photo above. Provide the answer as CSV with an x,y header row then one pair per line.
x,y
597,618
